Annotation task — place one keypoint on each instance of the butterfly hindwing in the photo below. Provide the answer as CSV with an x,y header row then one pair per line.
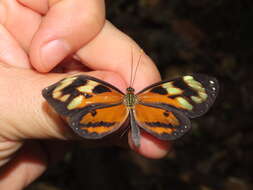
x,y
92,108
192,94
165,124
99,121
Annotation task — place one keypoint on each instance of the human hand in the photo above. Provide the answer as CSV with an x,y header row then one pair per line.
x,y
26,27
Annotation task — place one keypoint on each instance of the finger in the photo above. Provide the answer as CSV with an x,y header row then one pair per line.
x,y
40,6
21,22
111,50
10,51
67,26
24,113
150,146
29,163
7,150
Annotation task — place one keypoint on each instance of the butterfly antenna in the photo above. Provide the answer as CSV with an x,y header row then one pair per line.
x,y
137,67
124,131
131,76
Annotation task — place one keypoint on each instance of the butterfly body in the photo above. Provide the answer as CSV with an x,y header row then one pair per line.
x,y
130,99
95,109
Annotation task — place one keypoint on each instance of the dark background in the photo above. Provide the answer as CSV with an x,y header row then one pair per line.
x,y
181,36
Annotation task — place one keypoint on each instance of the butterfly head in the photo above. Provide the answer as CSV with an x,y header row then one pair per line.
x,y
130,90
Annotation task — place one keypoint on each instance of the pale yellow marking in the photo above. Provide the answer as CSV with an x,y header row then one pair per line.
x,y
167,85
88,87
196,99
198,87
192,82
203,95
66,82
56,94
184,103
75,102
171,89
187,78
174,91
65,97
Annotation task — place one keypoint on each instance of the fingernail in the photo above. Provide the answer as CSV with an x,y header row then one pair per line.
x,y
53,52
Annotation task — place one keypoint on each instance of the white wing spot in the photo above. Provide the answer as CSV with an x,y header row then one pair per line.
x,y
175,133
211,82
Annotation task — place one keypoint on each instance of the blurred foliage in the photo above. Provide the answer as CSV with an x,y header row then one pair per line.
x,y
181,36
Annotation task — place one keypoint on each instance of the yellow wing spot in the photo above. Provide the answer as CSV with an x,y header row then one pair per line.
x,y
56,94
87,87
66,82
187,78
196,99
198,87
183,102
171,89
75,102
65,97
97,129
195,84
203,95
167,85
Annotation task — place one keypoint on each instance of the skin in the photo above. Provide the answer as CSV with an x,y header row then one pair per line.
x,y
35,36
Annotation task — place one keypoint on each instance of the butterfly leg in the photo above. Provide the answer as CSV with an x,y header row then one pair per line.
x,y
135,130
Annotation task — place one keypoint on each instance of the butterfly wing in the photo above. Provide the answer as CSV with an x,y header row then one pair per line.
x,y
192,94
165,124
99,121
93,108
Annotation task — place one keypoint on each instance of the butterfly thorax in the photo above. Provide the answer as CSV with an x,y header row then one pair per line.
x,y
130,99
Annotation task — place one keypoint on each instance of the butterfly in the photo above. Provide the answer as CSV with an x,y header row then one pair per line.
x,y
95,109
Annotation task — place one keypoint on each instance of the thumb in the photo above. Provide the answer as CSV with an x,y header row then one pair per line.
x,y
24,114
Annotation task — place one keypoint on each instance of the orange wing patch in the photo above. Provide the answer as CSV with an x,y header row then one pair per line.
x,y
150,97
162,123
85,99
99,122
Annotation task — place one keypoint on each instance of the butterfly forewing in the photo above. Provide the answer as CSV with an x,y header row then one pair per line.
x,y
75,93
92,108
164,124
192,94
